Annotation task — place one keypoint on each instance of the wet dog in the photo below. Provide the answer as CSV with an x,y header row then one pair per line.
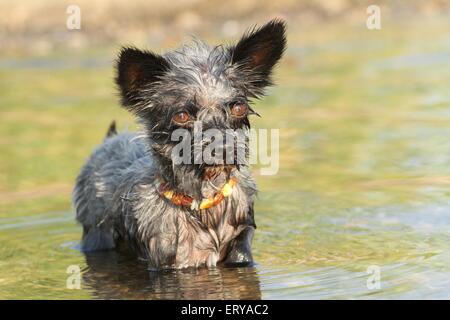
x,y
132,194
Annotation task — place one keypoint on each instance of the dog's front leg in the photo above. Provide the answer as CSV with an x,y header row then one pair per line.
x,y
240,250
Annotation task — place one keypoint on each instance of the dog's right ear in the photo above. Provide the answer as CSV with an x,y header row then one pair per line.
x,y
258,51
137,70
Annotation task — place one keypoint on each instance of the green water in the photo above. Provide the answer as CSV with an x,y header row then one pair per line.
x,y
364,178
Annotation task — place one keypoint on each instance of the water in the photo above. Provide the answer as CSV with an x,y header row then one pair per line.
x,y
364,179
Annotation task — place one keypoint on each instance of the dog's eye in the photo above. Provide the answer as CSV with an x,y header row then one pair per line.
x,y
239,109
181,117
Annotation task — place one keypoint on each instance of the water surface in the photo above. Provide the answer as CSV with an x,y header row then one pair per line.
x,y
364,179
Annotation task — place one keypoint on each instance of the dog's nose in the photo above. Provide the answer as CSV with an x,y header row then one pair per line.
x,y
220,148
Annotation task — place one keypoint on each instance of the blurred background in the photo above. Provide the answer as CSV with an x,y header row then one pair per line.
x,y
364,122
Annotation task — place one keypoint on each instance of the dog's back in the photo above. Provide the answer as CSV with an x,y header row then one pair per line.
x,y
98,180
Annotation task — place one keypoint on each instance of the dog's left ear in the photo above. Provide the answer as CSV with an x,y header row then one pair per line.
x,y
259,51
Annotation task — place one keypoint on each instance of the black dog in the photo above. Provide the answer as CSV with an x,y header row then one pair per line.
x,y
131,193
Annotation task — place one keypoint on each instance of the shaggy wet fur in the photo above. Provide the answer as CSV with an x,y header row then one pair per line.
x,y
116,196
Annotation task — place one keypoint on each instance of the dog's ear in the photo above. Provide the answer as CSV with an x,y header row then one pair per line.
x,y
137,70
258,51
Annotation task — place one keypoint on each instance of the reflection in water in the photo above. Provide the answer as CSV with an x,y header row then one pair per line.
x,y
113,275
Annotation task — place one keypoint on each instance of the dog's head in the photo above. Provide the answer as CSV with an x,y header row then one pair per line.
x,y
199,86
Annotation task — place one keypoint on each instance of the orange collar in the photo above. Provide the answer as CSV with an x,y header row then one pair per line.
x,y
206,203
